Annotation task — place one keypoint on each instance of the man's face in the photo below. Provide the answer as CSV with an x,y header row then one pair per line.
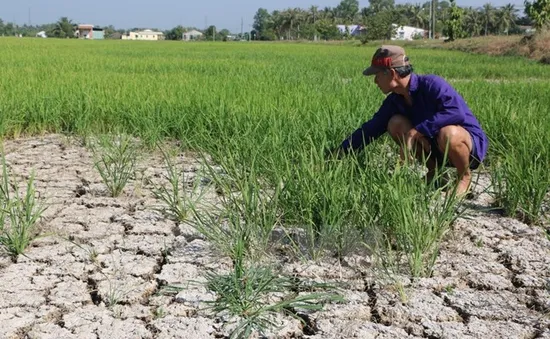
x,y
384,80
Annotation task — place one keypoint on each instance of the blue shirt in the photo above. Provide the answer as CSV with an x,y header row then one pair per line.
x,y
435,104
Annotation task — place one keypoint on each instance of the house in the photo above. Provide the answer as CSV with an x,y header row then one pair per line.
x,y
191,35
353,30
408,32
41,34
526,29
85,31
143,35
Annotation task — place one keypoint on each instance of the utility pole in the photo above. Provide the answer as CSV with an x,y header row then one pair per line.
x,y
430,23
433,17
242,32
29,16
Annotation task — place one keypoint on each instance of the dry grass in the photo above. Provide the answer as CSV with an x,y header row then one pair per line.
x,y
536,47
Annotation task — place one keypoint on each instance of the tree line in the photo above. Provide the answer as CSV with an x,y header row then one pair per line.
x,y
377,19
65,28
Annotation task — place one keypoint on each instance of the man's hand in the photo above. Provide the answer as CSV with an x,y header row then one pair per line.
x,y
413,137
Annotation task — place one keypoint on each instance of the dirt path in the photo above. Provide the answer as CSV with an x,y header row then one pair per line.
x,y
101,262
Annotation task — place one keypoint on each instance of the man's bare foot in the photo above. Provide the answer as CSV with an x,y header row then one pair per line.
x,y
463,187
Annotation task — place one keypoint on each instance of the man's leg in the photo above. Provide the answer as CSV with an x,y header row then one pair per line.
x,y
458,143
398,127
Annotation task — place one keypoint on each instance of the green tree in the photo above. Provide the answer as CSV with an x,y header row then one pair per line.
x,y
381,5
10,29
418,16
488,16
64,28
223,33
210,33
506,18
347,11
473,22
175,33
453,25
327,30
539,12
379,26
262,21
109,30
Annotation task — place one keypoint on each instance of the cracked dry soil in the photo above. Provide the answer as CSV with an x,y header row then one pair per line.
x,y
100,262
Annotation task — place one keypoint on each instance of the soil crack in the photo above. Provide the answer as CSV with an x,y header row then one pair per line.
x,y
94,292
465,316
369,288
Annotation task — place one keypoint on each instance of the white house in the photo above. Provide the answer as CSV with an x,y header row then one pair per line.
x,y
352,29
191,35
407,32
143,35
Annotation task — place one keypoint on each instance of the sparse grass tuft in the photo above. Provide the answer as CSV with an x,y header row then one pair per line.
x,y
255,295
179,202
248,213
19,213
252,296
115,160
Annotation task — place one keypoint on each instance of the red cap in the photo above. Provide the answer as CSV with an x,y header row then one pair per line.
x,y
386,57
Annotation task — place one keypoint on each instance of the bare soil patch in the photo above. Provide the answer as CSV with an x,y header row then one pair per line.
x,y
99,267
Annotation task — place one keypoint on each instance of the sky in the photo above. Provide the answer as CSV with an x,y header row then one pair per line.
x,y
166,14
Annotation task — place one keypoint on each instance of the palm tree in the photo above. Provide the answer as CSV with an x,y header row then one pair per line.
x,y
506,18
418,16
312,16
473,21
328,13
488,16
402,14
277,20
290,18
64,28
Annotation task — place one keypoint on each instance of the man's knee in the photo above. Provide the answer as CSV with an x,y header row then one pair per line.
x,y
398,126
451,137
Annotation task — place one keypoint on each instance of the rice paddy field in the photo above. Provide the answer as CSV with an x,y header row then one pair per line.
x,y
173,190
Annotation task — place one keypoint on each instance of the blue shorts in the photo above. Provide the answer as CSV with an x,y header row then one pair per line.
x,y
438,155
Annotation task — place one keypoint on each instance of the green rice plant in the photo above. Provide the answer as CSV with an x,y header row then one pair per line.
x,y
414,219
255,295
115,159
19,214
521,178
252,296
174,195
332,201
272,118
247,215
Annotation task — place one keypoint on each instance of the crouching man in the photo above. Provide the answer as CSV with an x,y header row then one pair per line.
x,y
424,114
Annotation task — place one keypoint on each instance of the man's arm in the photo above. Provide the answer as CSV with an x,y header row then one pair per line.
x,y
449,109
371,129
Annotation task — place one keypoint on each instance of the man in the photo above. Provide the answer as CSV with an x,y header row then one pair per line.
x,y
422,113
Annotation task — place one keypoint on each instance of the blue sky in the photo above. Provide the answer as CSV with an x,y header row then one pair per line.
x,y
165,14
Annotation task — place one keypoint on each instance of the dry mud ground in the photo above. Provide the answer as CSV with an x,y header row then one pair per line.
x,y
492,279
